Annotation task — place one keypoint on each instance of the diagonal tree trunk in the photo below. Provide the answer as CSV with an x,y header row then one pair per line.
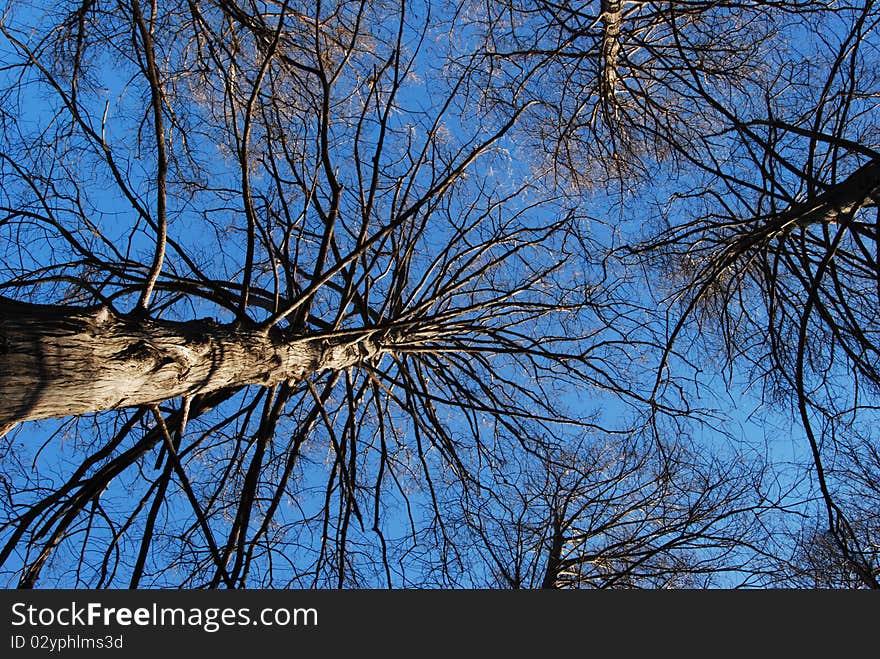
x,y
859,189
58,360
838,204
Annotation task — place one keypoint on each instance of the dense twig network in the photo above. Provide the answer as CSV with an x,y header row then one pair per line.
x,y
394,294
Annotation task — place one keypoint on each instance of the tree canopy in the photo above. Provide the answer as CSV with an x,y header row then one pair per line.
x,y
421,294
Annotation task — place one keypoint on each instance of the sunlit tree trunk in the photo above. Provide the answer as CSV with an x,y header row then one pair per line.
x,y
59,361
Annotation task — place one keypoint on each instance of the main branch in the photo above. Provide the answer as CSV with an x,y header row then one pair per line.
x,y
59,361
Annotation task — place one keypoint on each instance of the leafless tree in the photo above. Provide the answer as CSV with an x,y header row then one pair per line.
x,y
273,283
760,120
322,295
776,258
620,514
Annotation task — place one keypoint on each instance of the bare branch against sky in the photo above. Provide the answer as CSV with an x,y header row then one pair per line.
x,y
507,294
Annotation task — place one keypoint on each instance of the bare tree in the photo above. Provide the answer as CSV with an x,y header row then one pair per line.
x,y
777,259
620,514
614,76
274,282
353,294
761,121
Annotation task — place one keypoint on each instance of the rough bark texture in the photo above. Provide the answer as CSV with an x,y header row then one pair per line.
x,y
59,361
612,17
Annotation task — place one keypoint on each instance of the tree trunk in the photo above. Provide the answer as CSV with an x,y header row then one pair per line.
x,y
837,204
859,189
58,361
612,18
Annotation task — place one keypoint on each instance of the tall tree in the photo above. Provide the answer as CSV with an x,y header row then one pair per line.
x,y
258,253
761,247
362,293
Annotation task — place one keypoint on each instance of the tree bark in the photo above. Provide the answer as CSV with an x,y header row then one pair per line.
x,y
837,204
612,18
859,189
58,361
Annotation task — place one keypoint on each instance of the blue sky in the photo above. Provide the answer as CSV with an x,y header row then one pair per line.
x,y
412,469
